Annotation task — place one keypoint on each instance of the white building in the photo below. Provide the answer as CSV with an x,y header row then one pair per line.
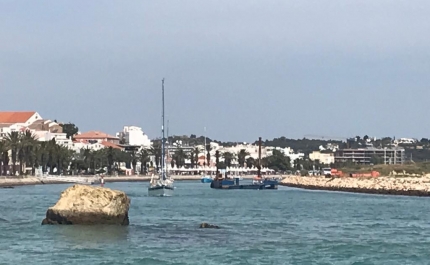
x,y
252,150
134,135
79,145
405,141
11,121
60,138
324,158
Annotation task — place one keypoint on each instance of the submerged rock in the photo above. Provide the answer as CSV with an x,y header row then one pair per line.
x,y
87,205
206,225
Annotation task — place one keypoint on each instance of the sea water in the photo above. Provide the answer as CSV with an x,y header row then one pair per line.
x,y
285,226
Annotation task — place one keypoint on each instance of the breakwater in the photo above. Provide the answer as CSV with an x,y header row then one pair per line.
x,y
24,181
408,186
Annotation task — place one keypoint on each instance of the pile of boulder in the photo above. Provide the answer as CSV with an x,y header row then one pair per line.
x,y
89,205
413,186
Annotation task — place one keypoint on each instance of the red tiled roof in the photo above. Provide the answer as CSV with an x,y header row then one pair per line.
x,y
15,116
81,141
94,135
109,144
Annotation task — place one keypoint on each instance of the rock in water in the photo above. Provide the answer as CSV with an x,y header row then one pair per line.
x,y
206,225
87,205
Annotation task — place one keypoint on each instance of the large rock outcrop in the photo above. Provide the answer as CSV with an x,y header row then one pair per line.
x,y
88,205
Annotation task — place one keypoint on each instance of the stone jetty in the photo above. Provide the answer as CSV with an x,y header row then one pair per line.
x,y
409,186
89,205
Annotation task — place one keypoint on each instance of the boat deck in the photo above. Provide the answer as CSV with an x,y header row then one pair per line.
x,y
235,185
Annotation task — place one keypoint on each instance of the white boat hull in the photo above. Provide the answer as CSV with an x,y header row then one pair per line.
x,y
160,192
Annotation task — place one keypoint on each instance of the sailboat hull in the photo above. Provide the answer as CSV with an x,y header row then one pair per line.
x,y
160,191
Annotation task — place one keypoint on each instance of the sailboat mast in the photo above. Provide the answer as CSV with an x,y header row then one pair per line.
x,y
163,173
259,157
167,148
205,142
205,148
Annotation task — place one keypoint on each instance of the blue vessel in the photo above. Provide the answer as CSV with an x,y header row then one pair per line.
x,y
234,184
206,179
259,183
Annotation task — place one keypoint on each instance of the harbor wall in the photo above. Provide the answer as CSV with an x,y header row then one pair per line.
x,y
7,181
24,181
408,186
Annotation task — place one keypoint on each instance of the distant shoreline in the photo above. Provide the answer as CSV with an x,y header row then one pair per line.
x,y
30,181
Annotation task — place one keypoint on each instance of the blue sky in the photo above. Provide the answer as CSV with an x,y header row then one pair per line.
x,y
243,69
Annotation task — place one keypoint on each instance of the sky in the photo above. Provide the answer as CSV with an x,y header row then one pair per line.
x,y
242,69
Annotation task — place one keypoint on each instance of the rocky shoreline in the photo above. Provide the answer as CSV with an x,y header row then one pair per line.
x,y
407,186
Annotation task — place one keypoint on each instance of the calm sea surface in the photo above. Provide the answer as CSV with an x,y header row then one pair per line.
x,y
287,226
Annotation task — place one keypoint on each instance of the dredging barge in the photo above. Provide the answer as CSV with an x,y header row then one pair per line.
x,y
222,181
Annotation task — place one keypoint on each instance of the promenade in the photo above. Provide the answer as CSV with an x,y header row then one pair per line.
x,y
7,181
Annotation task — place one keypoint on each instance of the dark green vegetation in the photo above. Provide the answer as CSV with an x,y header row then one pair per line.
x,y
25,154
70,129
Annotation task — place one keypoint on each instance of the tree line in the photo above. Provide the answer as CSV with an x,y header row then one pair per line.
x,y
22,153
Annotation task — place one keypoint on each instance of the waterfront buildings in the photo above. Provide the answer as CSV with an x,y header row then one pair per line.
x,y
133,138
371,155
133,135
323,158
96,136
11,121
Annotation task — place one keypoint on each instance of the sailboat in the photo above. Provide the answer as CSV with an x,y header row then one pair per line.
x,y
163,184
206,178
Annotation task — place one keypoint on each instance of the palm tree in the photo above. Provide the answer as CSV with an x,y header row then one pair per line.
x,y
196,156
51,150
228,158
217,160
133,160
43,158
86,153
110,158
63,156
191,156
250,162
28,145
156,151
241,156
143,156
13,142
3,155
180,157
92,161
208,154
